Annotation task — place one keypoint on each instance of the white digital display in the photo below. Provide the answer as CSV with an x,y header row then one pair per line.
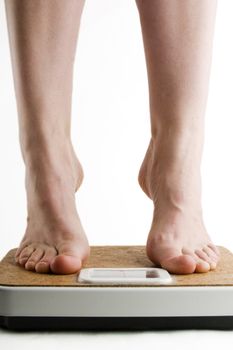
x,y
147,275
105,273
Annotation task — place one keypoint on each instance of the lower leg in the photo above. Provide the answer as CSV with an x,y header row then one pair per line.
x,y
43,38
178,45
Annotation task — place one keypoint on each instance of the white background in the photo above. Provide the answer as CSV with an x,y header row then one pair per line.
x,y
110,132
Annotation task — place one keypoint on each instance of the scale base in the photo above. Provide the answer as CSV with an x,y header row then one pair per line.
x,y
33,301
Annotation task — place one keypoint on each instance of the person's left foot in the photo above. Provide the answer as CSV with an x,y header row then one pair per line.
x,y
169,175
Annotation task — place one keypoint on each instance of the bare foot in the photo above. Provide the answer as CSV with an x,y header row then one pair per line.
x,y
170,176
54,240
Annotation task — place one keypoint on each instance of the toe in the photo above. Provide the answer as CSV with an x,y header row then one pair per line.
x,y
211,254
43,265
65,264
201,265
34,258
25,254
214,248
182,264
71,256
20,250
205,260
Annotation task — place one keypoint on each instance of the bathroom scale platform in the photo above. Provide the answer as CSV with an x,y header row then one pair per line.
x,y
118,288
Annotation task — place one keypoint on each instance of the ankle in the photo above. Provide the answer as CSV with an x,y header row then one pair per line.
x,y
55,162
172,170
182,123
175,145
46,143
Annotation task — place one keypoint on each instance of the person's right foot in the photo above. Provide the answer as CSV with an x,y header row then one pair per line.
x,y
54,240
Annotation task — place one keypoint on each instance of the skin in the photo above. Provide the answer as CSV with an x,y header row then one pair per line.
x,y
42,60
177,38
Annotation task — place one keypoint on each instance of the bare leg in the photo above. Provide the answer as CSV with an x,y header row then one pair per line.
x,y
178,46
43,37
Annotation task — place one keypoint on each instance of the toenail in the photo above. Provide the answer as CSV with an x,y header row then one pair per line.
x,y
206,263
43,262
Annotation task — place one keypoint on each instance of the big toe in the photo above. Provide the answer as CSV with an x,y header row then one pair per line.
x,y
65,264
184,264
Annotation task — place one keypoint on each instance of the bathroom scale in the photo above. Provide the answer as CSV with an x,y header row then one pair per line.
x,y
118,288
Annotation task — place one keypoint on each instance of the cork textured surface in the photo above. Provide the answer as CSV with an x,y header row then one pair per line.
x,y
11,274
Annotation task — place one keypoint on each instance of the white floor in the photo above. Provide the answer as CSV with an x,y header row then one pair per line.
x,y
191,340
